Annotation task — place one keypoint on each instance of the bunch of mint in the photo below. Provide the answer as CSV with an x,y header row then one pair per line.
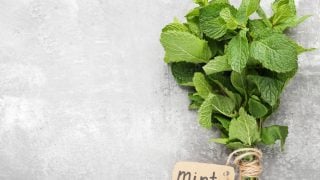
x,y
235,67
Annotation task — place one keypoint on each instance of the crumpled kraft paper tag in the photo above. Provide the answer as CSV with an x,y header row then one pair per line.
x,y
202,171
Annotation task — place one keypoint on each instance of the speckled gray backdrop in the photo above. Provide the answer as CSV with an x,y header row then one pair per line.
x,y
84,94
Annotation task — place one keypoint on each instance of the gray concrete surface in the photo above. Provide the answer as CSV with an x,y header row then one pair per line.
x,y
85,95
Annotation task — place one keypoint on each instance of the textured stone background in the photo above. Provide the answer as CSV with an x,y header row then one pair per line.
x,y
85,95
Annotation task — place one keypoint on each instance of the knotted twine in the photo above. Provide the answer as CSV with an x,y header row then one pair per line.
x,y
246,168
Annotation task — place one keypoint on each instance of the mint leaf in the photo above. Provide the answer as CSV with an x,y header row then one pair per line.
x,y
269,88
202,85
291,22
225,122
193,14
247,8
183,46
285,15
283,10
218,64
223,105
201,2
215,47
215,28
275,52
299,48
223,78
196,101
175,26
236,98
212,11
256,108
285,77
244,128
194,28
273,133
231,22
210,21
220,140
238,52
239,82
205,112
193,22
183,72
258,29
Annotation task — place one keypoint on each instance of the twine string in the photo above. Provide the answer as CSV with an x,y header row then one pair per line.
x,y
246,168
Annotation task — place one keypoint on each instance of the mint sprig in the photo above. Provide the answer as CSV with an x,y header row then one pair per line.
x,y
235,67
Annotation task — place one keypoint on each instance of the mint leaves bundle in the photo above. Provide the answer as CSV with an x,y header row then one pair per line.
x,y
235,67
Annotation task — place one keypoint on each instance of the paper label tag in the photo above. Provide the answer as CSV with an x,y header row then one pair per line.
x,y
202,171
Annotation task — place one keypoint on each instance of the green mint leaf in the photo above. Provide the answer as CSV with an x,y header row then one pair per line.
x,y
193,14
205,112
238,52
210,21
215,28
239,82
283,10
183,46
196,101
201,2
285,77
194,106
193,22
212,11
290,22
256,108
258,29
202,85
175,26
299,48
275,52
223,132
269,88
195,97
223,78
247,8
220,140
231,22
223,105
285,15
236,98
194,28
214,47
183,72
225,122
273,133
244,128
218,64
